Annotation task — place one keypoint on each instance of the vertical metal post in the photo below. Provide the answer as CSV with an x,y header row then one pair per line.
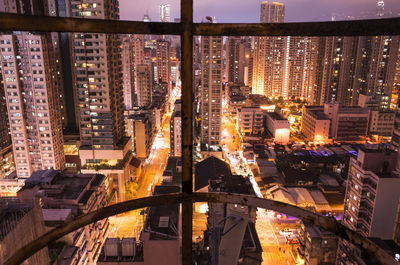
x,y
187,127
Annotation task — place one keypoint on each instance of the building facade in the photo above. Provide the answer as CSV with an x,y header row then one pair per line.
x,y
371,200
315,124
250,120
97,76
128,71
176,131
144,85
211,90
279,127
32,102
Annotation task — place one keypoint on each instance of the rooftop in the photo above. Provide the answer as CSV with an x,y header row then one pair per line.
x,y
163,221
317,112
210,168
63,186
276,116
231,184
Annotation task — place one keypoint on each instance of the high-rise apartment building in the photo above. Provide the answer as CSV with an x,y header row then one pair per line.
x,y
163,62
5,139
276,12
128,71
264,12
144,85
175,71
211,89
165,10
132,55
380,8
236,60
335,71
371,205
7,165
32,86
376,60
258,66
350,66
269,57
97,78
176,130
32,102
276,63
372,197
301,54
138,49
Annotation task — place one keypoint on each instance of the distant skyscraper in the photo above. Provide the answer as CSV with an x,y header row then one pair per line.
x,y
128,71
276,63
132,55
300,76
264,14
335,72
235,59
380,8
32,89
138,58
269,55
211,89
146,18
175,73
276,13
351,66
163,61
144,85
165,13
176,130
376,67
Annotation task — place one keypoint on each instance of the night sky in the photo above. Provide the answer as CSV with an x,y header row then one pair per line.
x,y
249,10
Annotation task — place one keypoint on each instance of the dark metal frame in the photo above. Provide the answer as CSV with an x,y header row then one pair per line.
x,y
186,29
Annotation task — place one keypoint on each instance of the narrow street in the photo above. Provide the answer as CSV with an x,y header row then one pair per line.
x,y
130,224
275,249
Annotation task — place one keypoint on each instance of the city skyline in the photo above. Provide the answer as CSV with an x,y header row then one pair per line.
x,y
296,11
96,119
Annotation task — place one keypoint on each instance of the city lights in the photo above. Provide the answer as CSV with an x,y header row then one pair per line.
x,y
97,117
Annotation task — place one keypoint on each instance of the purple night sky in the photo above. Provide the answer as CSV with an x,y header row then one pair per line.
x,y
249,10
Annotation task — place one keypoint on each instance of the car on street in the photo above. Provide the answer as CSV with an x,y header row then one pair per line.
x,y
285,231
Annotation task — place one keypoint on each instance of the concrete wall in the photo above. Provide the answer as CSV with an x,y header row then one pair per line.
x,y
386,208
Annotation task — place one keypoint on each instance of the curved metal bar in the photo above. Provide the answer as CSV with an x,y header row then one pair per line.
x,y
327,223
83,220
